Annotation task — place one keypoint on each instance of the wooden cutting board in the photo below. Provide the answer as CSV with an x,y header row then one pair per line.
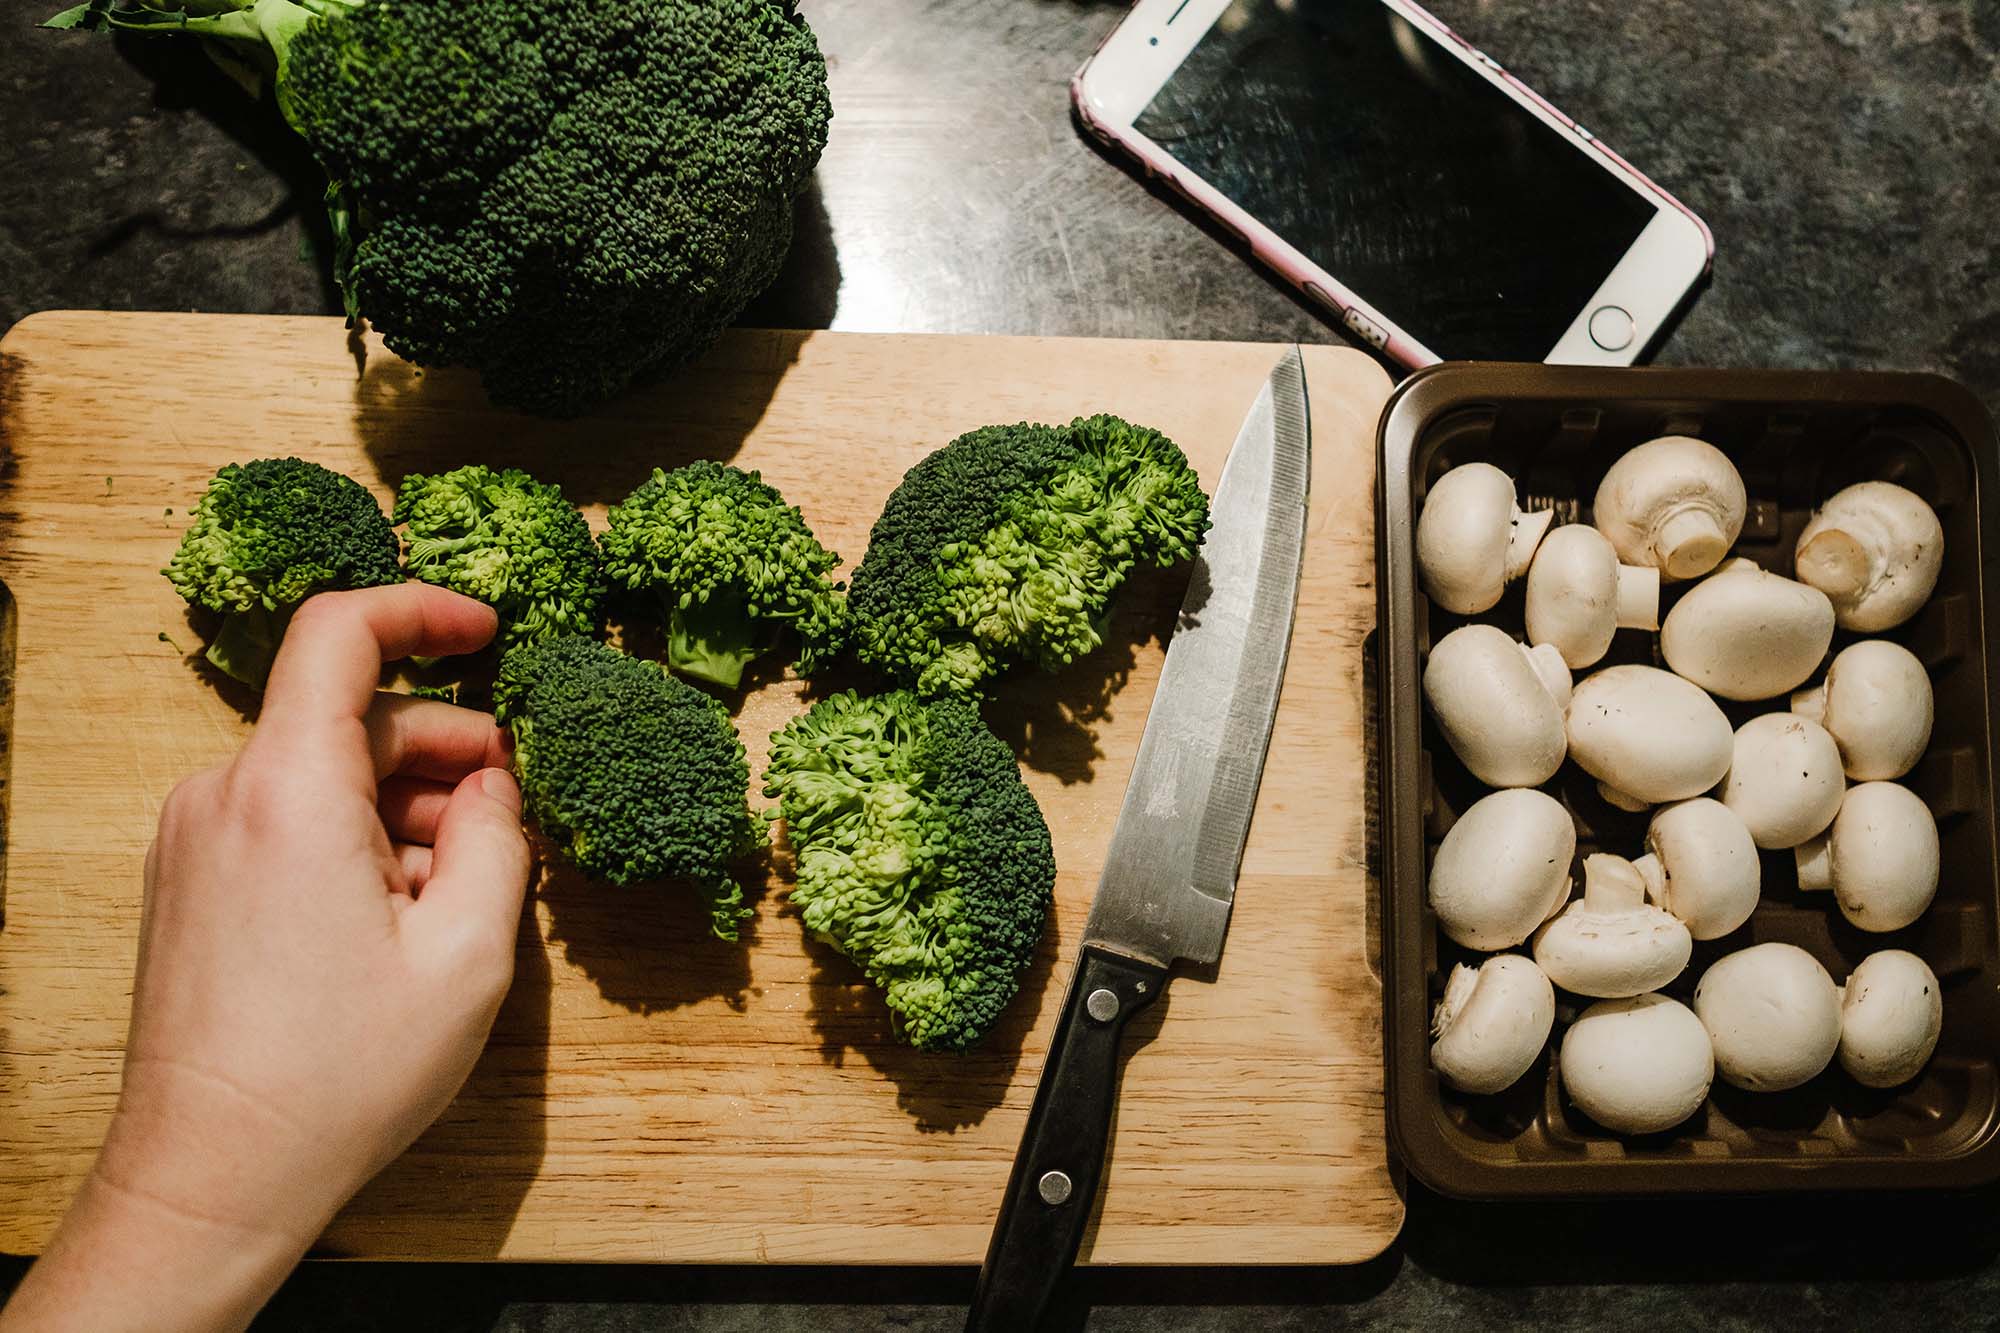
x,y
652,1094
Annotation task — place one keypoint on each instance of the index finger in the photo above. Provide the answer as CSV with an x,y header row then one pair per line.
x,y
331,660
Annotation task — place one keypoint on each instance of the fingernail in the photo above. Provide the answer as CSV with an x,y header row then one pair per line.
x,y
500,785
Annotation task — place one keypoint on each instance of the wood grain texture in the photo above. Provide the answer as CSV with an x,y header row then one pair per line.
x,y
651,1094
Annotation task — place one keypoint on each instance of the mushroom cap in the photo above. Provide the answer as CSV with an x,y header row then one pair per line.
x,y
1772,1014
1875,550
1701,866
1492,1023
1877,704
1578,594
1610,943
1637,1066
1880,857
1675,503
1472,538
1784,781
1494,709
1502,868
1743,633
1648,733
1891,1012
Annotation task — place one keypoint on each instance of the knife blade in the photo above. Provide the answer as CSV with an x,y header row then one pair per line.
x,y
1170,877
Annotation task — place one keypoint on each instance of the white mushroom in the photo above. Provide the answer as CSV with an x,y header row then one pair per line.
x,y
1503,868
1743,633
1637,1066
1891,1011
1647,736
1772,1014
1492,1023
1784,779
1876,704
1610,943
1875,549
1579,595
1494,707
1473,538
1675,503
1880,857
1701,865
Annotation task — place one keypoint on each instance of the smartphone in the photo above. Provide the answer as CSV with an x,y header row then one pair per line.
x,y
1401,179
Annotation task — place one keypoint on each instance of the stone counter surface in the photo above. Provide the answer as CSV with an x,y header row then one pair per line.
x,y
1847,154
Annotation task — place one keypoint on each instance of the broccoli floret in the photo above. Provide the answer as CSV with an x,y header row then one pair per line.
x,y
635,775
266,536
731,565
1008,544
564,195
509,540
921,855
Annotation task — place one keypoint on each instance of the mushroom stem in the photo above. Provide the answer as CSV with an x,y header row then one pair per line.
x,y
1811,704
1835,562
1654,876
1457,994
1524,534
1638,597
1547,660
1622,799
1815,862
1611,884
1690,542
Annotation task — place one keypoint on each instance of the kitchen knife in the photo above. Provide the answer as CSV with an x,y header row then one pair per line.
x,y
1170,875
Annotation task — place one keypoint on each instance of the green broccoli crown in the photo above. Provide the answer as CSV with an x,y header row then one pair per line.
x,y
922,856
511,541
636,775
731,564
1009,543
264,537
561,194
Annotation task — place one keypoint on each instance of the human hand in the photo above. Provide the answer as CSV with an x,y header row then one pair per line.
x,y
328,930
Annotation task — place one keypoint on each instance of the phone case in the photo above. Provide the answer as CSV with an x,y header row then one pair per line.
x,y
1268,248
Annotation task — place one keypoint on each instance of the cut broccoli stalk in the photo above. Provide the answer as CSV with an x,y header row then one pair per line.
x,y
247,643
714,640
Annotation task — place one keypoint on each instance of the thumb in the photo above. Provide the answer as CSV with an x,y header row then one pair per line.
x,y
479,864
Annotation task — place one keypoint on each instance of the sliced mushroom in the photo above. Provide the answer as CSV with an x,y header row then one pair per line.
x,y
1675,503
1876,704
1637,1066
1492,1023
1494,707
1891,1012
1784,779
1875,549
1880,857
1701,865
1743,633
1503,868
1579,596
1772,1014
1610,943
1473,538
1647,736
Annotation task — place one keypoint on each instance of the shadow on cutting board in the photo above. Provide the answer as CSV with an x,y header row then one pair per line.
x,y
475,1165
647,947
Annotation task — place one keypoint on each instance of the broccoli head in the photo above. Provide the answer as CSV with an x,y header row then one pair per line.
x,y
635,775
264,537
731,565
564,195
509,540
1008,544
921,855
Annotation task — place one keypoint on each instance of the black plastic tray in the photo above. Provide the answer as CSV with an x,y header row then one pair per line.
x,y
1797,437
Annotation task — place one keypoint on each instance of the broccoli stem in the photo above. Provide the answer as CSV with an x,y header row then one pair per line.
x,y
714,640
247,642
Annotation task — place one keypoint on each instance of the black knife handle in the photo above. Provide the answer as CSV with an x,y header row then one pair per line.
x,y
1049,1196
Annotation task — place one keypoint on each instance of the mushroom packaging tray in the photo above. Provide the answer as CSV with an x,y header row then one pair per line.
x,y
1796,438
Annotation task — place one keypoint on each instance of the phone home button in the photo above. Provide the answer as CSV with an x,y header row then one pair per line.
x,y
1611,328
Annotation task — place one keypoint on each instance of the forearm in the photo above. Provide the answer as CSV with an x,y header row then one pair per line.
x,y
125,1260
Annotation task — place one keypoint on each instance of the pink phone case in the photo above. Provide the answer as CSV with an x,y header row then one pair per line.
x,y
1272,250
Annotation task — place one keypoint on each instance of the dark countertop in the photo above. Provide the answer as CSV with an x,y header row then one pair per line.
x,y
1847,154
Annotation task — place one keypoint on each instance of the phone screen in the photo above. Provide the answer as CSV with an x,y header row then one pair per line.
x,y
1399,170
